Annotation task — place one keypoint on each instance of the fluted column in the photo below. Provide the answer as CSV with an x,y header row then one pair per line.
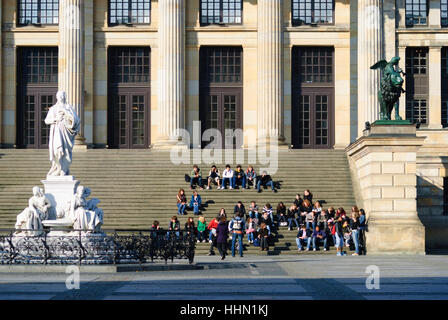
x,y
270,70
370,51
172,68
71,57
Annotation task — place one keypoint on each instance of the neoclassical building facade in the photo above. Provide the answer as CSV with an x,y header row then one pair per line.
x,y
295,71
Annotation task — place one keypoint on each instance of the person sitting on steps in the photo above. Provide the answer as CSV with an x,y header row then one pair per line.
x,y
227,175
196,177
266,181
213,176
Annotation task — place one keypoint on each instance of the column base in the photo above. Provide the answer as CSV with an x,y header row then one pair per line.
x,y
390,237
267,142
167,144
80,144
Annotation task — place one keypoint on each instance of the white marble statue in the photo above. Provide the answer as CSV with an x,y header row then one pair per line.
x,y
64,124
30,219
79,211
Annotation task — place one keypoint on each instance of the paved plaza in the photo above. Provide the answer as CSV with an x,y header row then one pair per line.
x,y
252,277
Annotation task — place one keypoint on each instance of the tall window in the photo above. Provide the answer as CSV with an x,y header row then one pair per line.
x,y
445,87
312,12
416,13
221,11
129,12
38,12
417,84
444,13
129,64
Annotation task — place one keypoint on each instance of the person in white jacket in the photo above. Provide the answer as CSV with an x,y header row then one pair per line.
x,y
227,174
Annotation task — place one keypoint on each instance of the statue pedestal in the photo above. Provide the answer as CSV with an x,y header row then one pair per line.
x,y
59,190
384,163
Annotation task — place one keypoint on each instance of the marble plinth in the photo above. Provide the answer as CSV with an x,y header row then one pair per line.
x,y
59,190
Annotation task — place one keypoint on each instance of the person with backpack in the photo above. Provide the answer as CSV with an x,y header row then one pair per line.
x,y
222,234
237,227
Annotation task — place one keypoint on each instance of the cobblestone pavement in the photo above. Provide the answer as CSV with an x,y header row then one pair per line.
x,y
251,277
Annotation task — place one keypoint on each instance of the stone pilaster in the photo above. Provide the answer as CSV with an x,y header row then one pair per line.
x,y
435,88
370,51
71,57
270,70
172,71
383,163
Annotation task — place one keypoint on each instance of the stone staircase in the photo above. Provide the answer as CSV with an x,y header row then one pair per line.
x,y
137,187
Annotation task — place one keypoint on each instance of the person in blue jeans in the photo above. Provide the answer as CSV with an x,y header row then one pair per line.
x,y
354,225
195,202
174,227
265,180
239,177
319,236
237,228
228,175
303,237
181,202
292,211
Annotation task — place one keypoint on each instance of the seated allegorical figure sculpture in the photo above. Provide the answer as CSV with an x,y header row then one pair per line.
x,y
30,219
64,124
83,213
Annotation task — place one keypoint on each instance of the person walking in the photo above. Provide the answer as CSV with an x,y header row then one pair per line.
x,y
222,234
237,227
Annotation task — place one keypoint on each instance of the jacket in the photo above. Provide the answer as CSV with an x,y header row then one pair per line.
x,y
263,232
193,173
237,225
265,179
201,226
354,225
198,200
222,232
319,233
362,222
213,224
239,173
189,228
227,173
302,233
174,226
251,174
241,210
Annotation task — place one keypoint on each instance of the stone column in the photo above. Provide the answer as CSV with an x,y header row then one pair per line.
x,y
370,51
435,88
270,71
71,58
171,70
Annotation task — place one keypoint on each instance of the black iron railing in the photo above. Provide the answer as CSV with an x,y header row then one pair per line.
x,y
110,247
